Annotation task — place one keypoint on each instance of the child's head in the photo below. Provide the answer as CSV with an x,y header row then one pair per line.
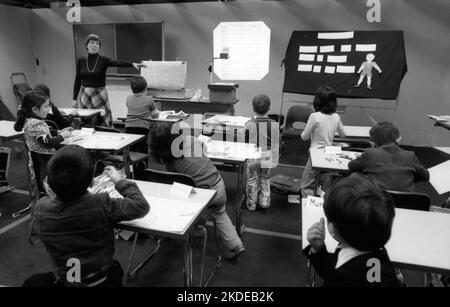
x,y
370,57
384,133
161,140
138,84
34,104
42,88
325,100
69,172
261,104
359,213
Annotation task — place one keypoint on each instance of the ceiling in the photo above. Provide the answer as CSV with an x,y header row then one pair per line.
x,y
35,4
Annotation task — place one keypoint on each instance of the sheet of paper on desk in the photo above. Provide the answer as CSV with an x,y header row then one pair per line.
x,y
227,119
312,212
103,141
82,133
330,150
167,214
440,177
181,190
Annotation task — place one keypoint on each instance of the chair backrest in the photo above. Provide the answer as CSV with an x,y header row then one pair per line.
x,y
106,129
166,177
51,124
297,114
410,200
5,157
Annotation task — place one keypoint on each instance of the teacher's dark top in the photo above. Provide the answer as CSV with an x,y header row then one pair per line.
x,y
96,75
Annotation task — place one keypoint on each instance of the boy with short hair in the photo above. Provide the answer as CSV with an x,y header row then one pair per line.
x,y
387,165
359,216
75,224
263,132
141,107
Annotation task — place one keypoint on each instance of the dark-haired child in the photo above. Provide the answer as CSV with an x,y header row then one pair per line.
x,y
359,216
56,116
190,161
38,137
387,165
263,132
321,128
75,224
141,107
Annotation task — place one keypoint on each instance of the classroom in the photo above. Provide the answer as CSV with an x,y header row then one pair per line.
x,y
224,143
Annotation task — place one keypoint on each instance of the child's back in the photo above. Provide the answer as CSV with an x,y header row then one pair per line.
x,y
321,129
74,224
388,165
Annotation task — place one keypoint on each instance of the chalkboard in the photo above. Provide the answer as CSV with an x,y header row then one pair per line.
x,y
133,42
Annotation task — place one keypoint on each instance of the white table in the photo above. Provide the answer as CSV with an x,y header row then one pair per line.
x,y
109,141
7,131
360,132
236,156
83,113
419,240
170,216
322,162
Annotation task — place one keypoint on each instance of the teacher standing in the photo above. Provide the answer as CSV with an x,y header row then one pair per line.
x,y
89,90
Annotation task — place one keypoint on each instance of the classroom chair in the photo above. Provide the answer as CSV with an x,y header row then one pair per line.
x,y
296,119
134,157
5,156
51,124
410,200
169,178
20,86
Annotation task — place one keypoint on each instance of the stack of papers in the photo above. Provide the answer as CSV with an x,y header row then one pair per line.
x,y
80,134
228,120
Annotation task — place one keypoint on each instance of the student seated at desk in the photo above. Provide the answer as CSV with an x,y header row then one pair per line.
x,y
191,161
141,107
359,216
320,129
40,139
75,224
56,117
387,165
263,132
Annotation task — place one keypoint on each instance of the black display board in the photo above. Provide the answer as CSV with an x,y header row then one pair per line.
x,y
133,42
333,58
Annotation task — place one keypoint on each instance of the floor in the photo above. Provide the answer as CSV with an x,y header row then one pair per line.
x,y
272,238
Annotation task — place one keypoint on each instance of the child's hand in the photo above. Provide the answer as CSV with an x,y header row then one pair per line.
x,y
113,173
65,133
316,236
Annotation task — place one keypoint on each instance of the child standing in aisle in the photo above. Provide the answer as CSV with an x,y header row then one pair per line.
x,y
321,127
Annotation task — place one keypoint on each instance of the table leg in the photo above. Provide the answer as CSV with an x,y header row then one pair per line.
x,y
317,183
187,261
126,162
240,199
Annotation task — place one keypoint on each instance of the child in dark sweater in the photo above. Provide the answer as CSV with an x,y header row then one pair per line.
x,y
387,165
359,216
76,225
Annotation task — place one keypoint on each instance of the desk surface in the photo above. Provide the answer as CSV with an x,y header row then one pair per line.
x,y
7,131
106,141
83,112
326,162
169,215
357,131
443,121
231,151
419,239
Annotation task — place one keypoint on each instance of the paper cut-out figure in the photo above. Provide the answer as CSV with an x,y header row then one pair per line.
x,y
366,70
